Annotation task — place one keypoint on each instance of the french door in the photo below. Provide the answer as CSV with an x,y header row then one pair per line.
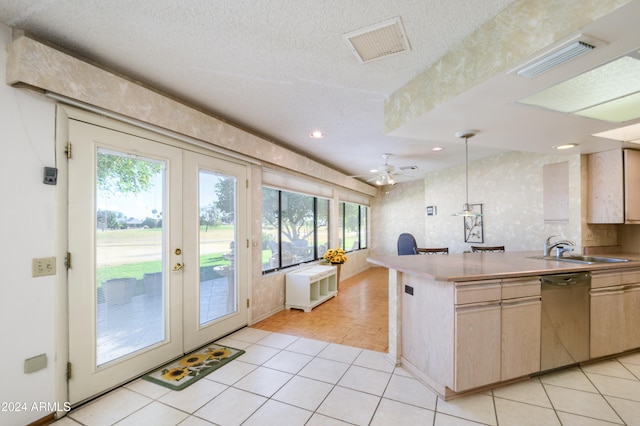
x,y
155,237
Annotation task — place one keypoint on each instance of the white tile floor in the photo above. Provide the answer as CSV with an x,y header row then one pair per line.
x,y
286,380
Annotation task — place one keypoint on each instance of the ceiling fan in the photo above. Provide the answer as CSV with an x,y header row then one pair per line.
x,y
386,174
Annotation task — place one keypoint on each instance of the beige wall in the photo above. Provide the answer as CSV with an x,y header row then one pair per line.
x,y
397,209
43,67
509,186
28,305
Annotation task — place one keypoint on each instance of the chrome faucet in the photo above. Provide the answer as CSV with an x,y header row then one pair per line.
x,y
560,246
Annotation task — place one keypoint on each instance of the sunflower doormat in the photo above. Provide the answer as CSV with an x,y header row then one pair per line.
x,y
179,374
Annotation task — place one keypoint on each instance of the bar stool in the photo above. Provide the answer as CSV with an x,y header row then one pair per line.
x,y
488,249
439,250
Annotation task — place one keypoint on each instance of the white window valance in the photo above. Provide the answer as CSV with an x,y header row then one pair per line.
x,y
281,180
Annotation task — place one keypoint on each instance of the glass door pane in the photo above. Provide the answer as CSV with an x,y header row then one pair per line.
x,y
322,242
215,213
351,231
129,247
363,227
297,228
217,245
125,285
270,229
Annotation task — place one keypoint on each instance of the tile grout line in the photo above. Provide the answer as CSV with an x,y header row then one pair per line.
x,y
284,348
602,395
553,406
316,356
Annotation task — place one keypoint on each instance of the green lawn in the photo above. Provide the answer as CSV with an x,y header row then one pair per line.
x,y
154,236
137,270
123,238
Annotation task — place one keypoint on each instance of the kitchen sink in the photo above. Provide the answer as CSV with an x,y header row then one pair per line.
x,y
582,259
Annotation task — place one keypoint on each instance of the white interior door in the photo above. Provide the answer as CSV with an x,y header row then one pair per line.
x,y
149,272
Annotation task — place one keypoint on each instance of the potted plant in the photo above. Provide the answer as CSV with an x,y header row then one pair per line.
x,y
336,257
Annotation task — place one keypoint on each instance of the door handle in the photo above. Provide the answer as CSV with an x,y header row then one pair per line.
x,y
178,267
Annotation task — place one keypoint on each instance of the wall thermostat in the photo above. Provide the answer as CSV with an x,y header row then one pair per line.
x,y
50,175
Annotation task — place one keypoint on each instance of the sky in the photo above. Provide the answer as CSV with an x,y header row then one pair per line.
x,y
141,206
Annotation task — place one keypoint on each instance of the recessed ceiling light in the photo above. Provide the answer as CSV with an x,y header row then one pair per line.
x,y
317,134
566,146
437,149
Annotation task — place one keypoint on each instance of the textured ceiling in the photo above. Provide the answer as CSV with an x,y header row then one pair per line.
x,y
281,68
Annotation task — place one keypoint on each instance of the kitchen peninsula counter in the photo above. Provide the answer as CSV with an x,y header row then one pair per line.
x,y
480,266
465,322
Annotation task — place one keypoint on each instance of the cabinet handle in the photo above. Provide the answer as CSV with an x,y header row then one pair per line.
x,y
522,301
477,306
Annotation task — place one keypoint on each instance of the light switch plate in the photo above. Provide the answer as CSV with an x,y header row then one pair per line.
x,y
43,266
34,364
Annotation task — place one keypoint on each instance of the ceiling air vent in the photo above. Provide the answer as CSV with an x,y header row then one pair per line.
x,y
378,41
555,58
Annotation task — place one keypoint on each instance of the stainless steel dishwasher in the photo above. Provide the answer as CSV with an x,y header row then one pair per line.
x,y
564,338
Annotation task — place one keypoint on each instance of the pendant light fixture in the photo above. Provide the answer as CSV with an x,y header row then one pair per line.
x,y
466,209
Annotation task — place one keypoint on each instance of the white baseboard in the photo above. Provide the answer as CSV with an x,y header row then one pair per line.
x,y
267,315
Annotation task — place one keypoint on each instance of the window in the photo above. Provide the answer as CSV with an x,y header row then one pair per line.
x,y
352,226
294,228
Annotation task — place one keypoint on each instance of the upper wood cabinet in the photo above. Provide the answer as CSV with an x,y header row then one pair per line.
x,y
632,185
614,187
555,184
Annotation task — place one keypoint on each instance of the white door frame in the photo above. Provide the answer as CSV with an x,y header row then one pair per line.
x,y
64,113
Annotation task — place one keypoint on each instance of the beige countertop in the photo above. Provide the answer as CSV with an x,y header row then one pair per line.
x,y
483,266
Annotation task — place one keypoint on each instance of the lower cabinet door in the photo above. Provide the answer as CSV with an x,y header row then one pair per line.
x,y
520,338
477,346
632,317
607,335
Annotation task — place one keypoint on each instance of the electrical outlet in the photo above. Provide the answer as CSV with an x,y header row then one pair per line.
x,y
43,266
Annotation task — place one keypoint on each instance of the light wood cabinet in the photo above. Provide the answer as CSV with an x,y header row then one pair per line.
x,y
520,317
615,313
614,186
497,331
632,316
632,185
477,334
477,349
555,192
460,336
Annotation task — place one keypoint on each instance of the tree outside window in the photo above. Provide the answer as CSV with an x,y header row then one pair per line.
x,y
294,227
